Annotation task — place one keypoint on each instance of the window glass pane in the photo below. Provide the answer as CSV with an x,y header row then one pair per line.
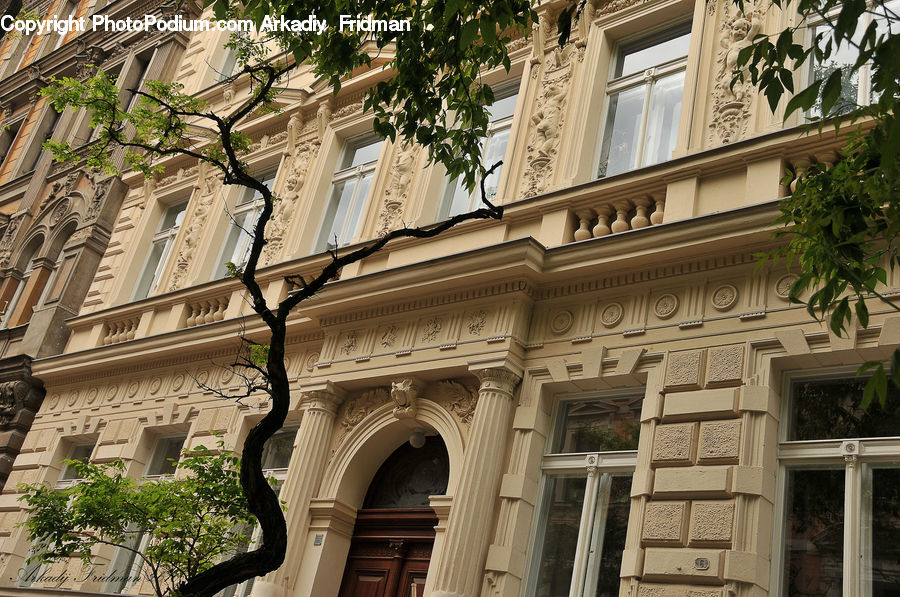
x,y
493,153
363,154
842,57
502,108
638,57
829,409
562,511
354,216
814,533
165,456
147,278
885,534
341,195
458,198
277,453
608,536
80,453
662,125
622,127
600,425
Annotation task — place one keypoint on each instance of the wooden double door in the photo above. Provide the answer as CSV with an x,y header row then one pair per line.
x,y
389,553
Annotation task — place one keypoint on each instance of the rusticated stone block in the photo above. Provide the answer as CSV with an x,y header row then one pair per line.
x,y
720,441
702,404
675,444
694,482
701,566
725,366
684,370
711,523
665,523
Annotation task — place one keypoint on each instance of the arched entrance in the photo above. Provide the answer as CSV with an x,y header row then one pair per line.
x,y
394,532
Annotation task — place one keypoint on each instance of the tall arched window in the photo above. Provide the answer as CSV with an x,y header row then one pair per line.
x,y
25,264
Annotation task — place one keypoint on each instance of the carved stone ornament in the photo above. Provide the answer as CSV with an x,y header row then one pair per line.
x,y
606,7
59,211
389,336
398,189
6,241
432,328
12,398
562,322
724,297
460,400
351,343
194,232
99,188
547,120
666,306
405,392
612,315
731,104
347,110
783,286
475,322
283,208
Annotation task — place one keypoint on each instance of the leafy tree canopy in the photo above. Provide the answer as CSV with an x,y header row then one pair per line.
x,y
188,522
842,218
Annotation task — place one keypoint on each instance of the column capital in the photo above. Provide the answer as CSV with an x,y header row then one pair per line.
x,y
324,396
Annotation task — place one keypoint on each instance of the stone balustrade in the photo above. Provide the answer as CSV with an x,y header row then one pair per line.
x,y
121,330
619,216
207,311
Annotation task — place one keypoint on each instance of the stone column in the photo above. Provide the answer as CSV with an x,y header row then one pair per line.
x,y
459,572
307,465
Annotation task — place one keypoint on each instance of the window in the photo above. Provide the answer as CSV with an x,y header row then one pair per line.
x,y
644,102
7,137
27,260
856,88
37,148
839,491
585,498
227,65
457,199
132,81
349,188
80,453
68,12
236,249
165,457
125,569
159,250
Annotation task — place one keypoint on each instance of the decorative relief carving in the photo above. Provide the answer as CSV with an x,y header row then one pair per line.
x,y
666,306
432,328
99,188
355,410
311,361
283,208
398,190
459,399
547,120
611,6
351,343
194,232
475,322
389,336
562,322
59,211
612,315
6,241
724,297
12,398
731,103
783,286
347,110
405,392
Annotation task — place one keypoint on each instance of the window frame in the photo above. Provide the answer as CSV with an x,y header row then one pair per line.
x,y
648,77
591,465
851,455
251,201
345,174
502,90
157,457
167,236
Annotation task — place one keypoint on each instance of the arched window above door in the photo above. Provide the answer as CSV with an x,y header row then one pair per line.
x,y
409,476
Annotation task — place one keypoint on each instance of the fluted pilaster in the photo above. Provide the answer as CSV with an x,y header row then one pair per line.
x,y
319,406
468,531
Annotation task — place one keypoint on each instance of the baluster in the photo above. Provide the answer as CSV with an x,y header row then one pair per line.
x,y
209,316
584,222
640,219
622,209
602,227
657,216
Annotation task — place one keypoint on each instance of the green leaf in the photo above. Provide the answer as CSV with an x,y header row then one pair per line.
x,y
831,91
805,99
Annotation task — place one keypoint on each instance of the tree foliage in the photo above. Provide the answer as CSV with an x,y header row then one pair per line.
x,y
842,218
431,94
188,522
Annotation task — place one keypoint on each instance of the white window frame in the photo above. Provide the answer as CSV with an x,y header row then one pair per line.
x,y
594,466
166,236
357,173
648,78
502,91
863,75
159,453
850,454
135,565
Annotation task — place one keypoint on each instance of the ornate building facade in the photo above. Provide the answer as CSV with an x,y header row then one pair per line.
x,y
56,220
602,394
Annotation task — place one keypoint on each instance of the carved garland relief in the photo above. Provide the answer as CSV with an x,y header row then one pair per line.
x,y
398,190
194,232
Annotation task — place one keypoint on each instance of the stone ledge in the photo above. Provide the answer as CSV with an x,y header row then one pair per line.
x,y
702,566
692,483
700,405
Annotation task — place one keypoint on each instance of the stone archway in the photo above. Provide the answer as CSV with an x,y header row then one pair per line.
x,y
394,534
